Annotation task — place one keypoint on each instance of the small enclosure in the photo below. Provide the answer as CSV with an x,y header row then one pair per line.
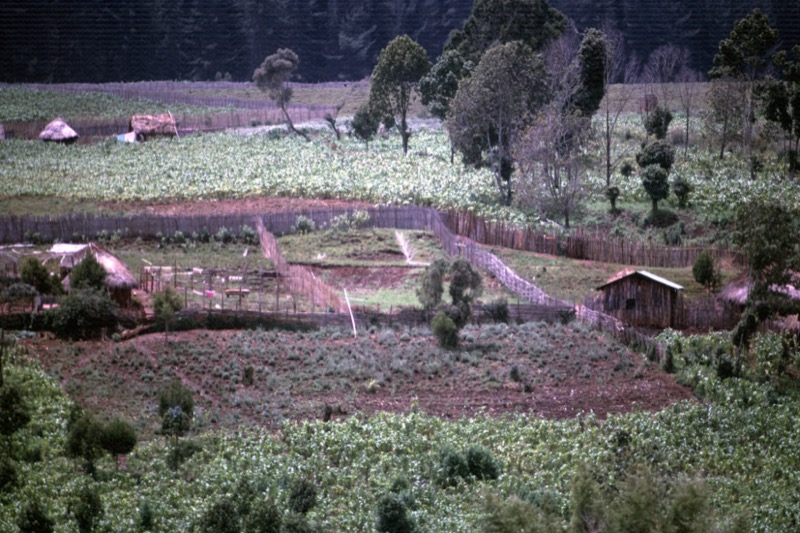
x,y
640,298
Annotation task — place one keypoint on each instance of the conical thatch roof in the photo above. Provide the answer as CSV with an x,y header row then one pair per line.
x,y
58,131
117,274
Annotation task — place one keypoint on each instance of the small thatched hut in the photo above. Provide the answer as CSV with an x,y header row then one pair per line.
x,y
148,126
120,282
640,298
737,291
58,131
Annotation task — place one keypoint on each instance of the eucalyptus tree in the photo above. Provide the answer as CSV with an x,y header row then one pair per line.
x,y
395,79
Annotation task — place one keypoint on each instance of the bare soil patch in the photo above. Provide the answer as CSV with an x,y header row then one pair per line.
x,y
230,206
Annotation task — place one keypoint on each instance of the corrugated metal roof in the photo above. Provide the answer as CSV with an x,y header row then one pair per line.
x,y
644,273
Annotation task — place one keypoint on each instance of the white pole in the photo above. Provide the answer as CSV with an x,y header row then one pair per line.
x,y
350,309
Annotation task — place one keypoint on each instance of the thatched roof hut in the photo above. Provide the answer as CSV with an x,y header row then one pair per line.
x,y
738,290
148,126
58,131
120,282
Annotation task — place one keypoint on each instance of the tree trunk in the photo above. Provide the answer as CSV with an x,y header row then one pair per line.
x,y
404,133
290,124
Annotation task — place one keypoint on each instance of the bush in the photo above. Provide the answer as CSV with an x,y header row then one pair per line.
x,y
83,312
303,225
682,189
431,287
146,516
497,310
393,515
176,409
302,496
34,519
224,235
248,378
445,330
296,523
453,467
248,235
89,508
8,474
36,275
481,463
84,440
264,517
705,271
221,517
14,414
19,294
88,274
656,153
657,122
661,218
118,437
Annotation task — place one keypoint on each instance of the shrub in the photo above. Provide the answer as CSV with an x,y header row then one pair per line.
x,y
34,519
248,235
514,515
656,153
682,189
264,517
221,517
248,378
118,437
19,294
296,523
146,516
88,274
481,463
14,414
452,467
661,218
445,330
705,271
89,508
36,275
497,310
654,181
302,496
81,313
303,225
393,515
657,122
8,473
673,235
176,409
224,235
431,287
84,440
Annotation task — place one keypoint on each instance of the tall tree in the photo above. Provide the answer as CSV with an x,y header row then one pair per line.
x,y
782,99
744,56
273,77
394,82
688,91
490,108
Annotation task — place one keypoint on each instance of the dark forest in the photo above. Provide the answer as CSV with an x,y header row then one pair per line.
x,y
127,40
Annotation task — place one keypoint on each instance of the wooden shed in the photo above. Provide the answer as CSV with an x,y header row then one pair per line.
x,y
640,298
120,282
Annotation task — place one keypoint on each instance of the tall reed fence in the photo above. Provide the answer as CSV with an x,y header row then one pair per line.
x,y
580,245
299,278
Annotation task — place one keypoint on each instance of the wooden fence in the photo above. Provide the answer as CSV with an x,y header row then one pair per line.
x,y
579,245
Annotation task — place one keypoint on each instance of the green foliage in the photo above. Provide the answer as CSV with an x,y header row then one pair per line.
x,y
303,225
274,73
9,476
365,124
89,508
452,467
34,519
84,440
118,437
587,507
36,274
82,312
220,517
393,515
656,153
465,282
302,496
772,355
445,330
146,516
682,189
431,287
743,53
592,58
514,515
637,507
482,465
19,294
532,22
296,523
657,122
166,303
655,182
14,412
439,86
176,409
358,219
264,517
705,271
497,310
88,274
400,67
688,509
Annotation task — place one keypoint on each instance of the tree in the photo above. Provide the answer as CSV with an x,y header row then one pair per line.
x,y
221,517
724,116
688,90
743,56
494,22
165,304
84,441
118,437
273,77
431,288
553,163
657,123
663,68
394,82
176,409
705,272
490,108
438,87
393,516
782,102
656,153
82,312
88,274
36,274
365,124
89,508
34,519
656,183
591,74
765,234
